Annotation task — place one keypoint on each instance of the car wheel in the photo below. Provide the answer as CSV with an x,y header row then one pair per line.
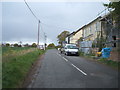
x,y
67,54
77,54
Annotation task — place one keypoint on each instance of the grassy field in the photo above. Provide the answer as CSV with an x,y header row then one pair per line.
x,y
16,62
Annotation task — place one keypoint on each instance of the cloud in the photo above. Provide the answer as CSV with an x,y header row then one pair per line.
x,y
19,24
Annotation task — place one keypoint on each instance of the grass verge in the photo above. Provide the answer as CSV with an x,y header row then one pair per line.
x,y
111,63
15,68
105,61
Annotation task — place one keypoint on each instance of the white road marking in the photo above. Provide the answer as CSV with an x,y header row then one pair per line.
x,y
58,54
73,65
65,59
78,69
62,57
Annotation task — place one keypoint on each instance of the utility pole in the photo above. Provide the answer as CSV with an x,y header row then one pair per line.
x,y
38,33
45,39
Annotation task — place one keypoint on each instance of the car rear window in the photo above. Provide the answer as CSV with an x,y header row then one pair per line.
x,y
72,47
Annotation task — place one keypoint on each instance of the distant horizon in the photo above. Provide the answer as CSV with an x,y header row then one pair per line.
x,y
22,43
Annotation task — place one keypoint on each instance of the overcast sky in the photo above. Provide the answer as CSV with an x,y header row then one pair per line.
x,y
18,24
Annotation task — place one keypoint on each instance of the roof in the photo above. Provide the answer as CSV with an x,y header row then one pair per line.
x,y
80,28
94,20
88,23
71,33
74,32
105,16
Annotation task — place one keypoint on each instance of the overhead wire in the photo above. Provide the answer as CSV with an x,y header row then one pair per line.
x,y
53,25
41,21
31,11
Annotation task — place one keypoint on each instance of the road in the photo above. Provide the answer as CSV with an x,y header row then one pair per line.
x,y
60,71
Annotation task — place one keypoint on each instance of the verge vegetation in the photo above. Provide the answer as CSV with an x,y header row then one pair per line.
x,y
106,61
16,64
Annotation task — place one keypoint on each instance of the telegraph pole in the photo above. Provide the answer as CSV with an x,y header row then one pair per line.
x,y
38,33
45,39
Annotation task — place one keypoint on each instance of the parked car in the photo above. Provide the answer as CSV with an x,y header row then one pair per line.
x,y
71,49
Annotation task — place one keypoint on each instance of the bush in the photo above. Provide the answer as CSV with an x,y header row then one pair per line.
x,y
81,53
58,47
7,44
34,45
51,45
16,45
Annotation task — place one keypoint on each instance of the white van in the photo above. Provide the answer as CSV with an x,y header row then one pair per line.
x,y
71,49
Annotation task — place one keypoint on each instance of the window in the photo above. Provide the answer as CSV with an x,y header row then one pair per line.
x,y
72,47
114,38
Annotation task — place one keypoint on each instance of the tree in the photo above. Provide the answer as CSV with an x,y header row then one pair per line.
x,y
7,44
57,46
51,45
61,37
116,11
26,45
20,43
34,45
16,45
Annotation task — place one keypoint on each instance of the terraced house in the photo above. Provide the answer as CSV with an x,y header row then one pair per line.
x,y
86,35
70,38
91,32
74,37
99,33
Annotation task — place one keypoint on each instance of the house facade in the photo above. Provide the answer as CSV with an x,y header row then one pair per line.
x,y
74,37
91,32
70,38
77,35
86,35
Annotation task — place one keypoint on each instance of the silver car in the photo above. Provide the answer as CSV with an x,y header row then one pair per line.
x,y
71,49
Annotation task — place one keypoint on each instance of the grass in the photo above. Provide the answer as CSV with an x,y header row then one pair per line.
x,y
17,64
110,63
9,49
81,53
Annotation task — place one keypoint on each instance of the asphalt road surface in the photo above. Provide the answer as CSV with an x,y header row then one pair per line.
x,y
60,71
